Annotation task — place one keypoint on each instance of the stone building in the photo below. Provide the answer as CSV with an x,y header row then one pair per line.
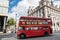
x,y
47,9
4,4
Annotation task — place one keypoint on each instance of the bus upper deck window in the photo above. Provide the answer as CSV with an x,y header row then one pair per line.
x,y
45,22
30,22
23,22
35,22
39,22
49,20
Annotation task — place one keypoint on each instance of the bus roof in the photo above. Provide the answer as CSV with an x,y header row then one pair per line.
x,y
36,18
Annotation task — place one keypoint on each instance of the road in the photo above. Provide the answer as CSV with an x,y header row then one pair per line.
x,y
55,36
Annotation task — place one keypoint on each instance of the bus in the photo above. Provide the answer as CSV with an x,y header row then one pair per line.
x,y
34,26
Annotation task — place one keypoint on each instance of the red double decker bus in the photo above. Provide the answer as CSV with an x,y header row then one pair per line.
x,y
33,26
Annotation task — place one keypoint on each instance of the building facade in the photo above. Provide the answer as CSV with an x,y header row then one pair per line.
x,y
47,9
4,4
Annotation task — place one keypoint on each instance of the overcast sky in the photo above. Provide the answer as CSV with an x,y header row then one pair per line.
x,y
20,7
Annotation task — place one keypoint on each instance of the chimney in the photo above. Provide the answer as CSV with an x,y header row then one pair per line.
x,y
52,3
59,6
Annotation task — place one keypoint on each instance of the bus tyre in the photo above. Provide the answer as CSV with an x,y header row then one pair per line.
x,y
51,30
22,36
46,34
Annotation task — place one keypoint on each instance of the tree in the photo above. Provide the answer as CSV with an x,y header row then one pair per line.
x,y
11,22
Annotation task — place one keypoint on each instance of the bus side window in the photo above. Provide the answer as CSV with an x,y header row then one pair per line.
x,y
35,28
45,22
39,22
35,22
23,22
40,28
23,27
46,27
29,22
28,28
32,22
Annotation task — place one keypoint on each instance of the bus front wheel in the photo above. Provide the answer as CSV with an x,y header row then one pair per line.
x,y
22,36
46,34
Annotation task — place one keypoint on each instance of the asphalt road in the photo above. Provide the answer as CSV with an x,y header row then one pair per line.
x,y
55,36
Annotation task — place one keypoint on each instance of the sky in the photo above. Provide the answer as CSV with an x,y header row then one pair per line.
x,y
13,3
20,7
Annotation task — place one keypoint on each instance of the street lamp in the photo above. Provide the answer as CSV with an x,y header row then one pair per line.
x,y
15,21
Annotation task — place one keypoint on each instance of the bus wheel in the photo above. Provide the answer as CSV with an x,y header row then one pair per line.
x,y
46,34
22,36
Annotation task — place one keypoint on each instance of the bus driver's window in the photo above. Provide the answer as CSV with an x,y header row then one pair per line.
x,y
22,28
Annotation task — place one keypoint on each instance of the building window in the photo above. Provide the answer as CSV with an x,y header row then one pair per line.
x,y
44,3
57,23
49,15
3,10
39,14
54,24
54,18
47,11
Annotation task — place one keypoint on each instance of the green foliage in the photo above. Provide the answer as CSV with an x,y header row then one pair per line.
x,y
11,22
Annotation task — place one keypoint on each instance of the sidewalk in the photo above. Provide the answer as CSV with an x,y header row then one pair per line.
x,y
1,33
57,31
